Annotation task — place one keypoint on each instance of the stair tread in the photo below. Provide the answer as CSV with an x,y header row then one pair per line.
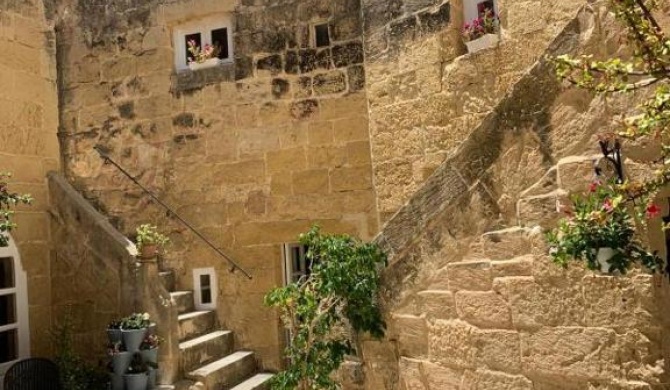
x,y
219,364
203,339
180,293
252,382
193,314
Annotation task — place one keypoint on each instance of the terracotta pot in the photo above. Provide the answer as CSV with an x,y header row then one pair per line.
x,y
149,251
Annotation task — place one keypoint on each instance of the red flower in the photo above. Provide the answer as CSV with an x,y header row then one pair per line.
x,y
653,211
593,187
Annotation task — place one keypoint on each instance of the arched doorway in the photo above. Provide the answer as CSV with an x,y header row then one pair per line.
x,y
14,327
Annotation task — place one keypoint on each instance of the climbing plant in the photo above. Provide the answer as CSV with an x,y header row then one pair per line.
x,y
8,200
340,292
647,68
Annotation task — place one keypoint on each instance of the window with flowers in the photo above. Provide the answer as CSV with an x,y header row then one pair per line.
x,y
205,42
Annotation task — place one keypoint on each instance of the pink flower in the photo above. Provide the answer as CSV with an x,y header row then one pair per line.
x,y
593,187
653,211
608,206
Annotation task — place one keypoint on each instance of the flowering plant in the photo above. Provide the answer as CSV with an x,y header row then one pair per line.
x,y
151,341
114,348
8,200
136,321
601,219
485,24
201,54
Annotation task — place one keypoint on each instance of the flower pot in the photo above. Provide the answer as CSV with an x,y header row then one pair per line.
x,y
149,251
150,355
152,377
151,329
138,381
603,256
116,382
483,42
121,361
132,338
205,64
114,335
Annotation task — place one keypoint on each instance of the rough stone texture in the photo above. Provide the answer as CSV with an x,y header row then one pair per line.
x,y
29,146
512,320
251,153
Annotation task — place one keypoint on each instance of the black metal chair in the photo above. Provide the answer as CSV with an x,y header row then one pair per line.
x,y
32,374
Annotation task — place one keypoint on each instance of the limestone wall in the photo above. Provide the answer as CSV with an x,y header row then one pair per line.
x,y
425,90
28,144
251,153
471,297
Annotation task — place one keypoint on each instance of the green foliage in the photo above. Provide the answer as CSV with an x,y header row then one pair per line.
x,y
8,200
74,373
599,219
648,67
136,321
147,234
341,291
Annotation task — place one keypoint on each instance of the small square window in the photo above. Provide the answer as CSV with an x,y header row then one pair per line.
x,y
321,35
220,40
197,38
484,6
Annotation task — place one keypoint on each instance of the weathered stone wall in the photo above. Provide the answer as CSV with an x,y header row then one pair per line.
x,y
29,146
471,296
251,153
425,90
93,271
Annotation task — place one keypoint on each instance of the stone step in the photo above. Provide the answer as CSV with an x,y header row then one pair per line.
x,y
205,349
168,279
184,301
226,372
256,382
196,323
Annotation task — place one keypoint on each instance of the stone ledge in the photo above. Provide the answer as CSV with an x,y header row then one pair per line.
x,y
189,80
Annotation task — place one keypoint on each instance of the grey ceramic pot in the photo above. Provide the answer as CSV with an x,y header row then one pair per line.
x,y
121,361
132,338
137,381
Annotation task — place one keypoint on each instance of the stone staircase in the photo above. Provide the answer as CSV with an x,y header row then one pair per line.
x,y
206,353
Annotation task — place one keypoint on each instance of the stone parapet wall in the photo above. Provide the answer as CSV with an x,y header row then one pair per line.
x,y
29,146
423,87
251,153
471,297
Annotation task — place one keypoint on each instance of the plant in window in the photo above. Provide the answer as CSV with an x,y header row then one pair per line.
x,y
199,54
8,200
599,229
340,292
483,25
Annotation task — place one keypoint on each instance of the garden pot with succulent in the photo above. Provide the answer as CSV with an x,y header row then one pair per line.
x,y
149,241
133,330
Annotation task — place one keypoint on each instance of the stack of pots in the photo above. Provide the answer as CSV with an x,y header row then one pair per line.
x,y
133,367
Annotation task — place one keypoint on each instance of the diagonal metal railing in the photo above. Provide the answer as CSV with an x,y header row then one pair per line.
x,y
109,160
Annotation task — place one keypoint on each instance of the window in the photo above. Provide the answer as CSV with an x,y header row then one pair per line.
x,y
472,9
321,35
296,264
14,327
205,287
214,30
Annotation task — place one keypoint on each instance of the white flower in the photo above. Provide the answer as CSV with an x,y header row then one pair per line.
x,y
145,316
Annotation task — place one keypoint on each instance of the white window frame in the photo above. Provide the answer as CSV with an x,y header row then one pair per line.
x,y
470,11
312,33
289,273
20,290
204,27
197,288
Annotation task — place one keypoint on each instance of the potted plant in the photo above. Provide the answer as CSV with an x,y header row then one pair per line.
x,y
137,375
114,331
8,200
149,240
133,330
202,57
149,352
120,358
481,32
599,229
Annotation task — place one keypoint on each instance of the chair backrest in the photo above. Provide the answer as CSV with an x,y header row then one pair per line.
x,y
32,374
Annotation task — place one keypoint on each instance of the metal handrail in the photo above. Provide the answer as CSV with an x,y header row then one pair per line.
x,y
109,160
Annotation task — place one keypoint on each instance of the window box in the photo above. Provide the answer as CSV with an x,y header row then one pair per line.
x,y
206,64
483,42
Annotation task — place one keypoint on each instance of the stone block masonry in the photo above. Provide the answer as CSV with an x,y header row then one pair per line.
x,y
251,152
